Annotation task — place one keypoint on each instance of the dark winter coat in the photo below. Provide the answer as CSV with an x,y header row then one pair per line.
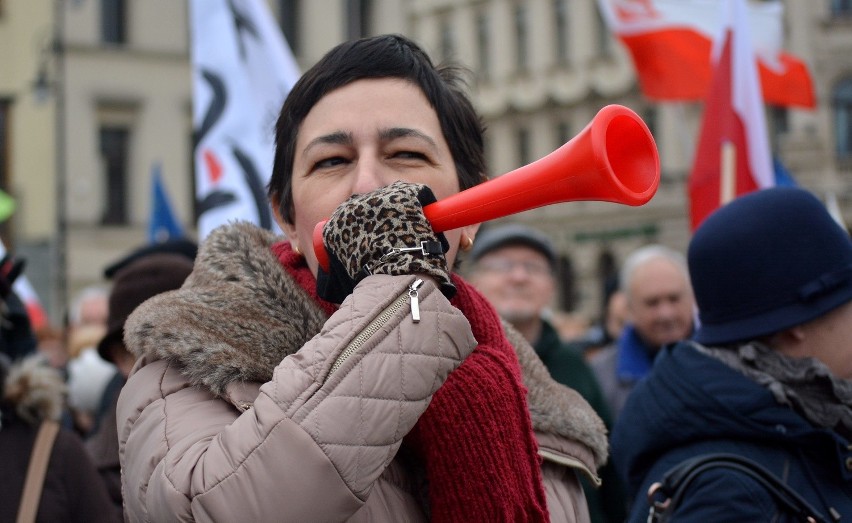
x,y
692,404
72,491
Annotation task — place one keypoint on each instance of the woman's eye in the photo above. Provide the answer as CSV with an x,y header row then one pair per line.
x,y
410,155
329,162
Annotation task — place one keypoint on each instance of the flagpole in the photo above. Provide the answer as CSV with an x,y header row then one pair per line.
x,y
728,185
684,133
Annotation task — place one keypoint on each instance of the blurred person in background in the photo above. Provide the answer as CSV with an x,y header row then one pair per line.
x,y
768,374
660,310
88,373
31,404
604,332
50,343
513,266
18,339
32,401
134,282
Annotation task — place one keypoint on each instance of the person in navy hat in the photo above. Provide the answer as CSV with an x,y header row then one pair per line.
x,y
768,373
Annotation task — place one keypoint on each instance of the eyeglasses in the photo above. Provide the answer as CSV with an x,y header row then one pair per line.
x,y
504,266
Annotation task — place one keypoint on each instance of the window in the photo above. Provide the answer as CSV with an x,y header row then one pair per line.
x,y
604,42
483,44
114,21
114,147
358,18
524,146
566,278
5,106
607,273
288,17
4,141
779,124
650,116
448,44
563,133
843,118
560,12
841,8
522,38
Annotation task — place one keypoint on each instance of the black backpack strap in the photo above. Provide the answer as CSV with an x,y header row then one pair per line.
x,y
665,496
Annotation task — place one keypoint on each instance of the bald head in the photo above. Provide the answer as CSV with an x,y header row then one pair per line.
x,y
660,305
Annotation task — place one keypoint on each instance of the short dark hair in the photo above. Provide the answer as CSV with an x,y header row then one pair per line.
x,y
386,56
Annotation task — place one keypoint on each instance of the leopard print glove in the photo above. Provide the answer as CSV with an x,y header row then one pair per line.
x,y
382,232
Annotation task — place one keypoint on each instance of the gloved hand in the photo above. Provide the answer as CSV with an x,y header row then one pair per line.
x,y
382,232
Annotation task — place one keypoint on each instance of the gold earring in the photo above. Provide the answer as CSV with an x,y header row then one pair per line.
x,y
296,249
467,243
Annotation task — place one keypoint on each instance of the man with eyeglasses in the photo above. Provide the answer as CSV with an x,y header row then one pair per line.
x,y
513,266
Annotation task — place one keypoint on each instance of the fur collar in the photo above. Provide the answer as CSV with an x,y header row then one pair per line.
x,y
240,313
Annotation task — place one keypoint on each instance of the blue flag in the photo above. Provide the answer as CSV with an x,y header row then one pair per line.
x,y
782,175
163,225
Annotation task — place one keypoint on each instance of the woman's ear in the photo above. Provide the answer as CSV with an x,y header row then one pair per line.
x,y
288,228
468,236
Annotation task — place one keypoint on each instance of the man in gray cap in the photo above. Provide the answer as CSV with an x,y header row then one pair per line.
x,y
513,266
767,376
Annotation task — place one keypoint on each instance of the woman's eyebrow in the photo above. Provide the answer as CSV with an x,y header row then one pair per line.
x,y
393,133
335,138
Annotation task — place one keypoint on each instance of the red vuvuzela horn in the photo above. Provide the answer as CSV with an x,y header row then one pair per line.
x,y
614,159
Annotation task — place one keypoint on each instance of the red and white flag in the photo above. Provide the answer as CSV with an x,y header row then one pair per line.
x,y
27,294
242,69
733,155
670,42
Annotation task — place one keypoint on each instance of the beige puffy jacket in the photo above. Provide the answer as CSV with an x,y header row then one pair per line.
x,y
237,411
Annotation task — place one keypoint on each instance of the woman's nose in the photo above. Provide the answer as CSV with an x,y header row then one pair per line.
x,y
369,176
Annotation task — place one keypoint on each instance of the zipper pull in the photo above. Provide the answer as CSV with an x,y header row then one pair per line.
x,y
415,300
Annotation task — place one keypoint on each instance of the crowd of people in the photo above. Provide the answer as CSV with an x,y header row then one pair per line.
x,y
403,374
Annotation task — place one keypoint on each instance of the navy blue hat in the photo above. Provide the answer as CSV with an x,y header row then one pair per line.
x,y
767,261
514,234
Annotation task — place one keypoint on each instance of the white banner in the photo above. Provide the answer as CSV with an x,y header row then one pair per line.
x,y
242,69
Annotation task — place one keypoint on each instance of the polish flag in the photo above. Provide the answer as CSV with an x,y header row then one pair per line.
x,y
35,310
670,42
733,156
27,294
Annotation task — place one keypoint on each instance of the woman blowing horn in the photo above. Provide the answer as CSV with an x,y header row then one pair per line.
x,y
383,389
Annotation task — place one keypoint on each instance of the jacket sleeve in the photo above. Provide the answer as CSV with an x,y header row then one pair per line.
x,y
319,433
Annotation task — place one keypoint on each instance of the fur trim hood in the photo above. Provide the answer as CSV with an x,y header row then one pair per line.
x,y
31,388
240,313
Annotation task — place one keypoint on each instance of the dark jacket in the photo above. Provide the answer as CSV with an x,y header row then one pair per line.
x,y
72,491
619,366
102,445
692,404
607,502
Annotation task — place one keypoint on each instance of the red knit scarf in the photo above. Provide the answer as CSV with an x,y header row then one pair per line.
x,y
475,438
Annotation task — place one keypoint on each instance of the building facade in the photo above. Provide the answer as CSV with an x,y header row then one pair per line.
x,y
97,92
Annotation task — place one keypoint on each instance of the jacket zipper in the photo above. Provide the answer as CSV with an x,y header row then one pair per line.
x,y
411,295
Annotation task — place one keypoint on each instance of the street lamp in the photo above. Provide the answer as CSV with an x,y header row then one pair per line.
x,y
44,85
